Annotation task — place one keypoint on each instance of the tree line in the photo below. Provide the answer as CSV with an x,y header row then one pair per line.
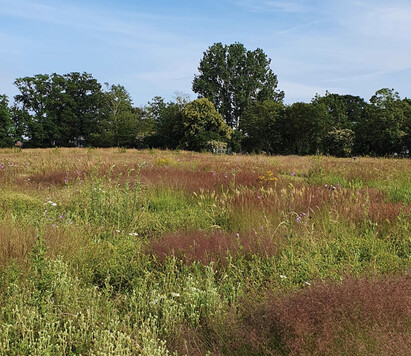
x,y
238,106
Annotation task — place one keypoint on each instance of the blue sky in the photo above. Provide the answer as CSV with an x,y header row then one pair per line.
x,y
154,47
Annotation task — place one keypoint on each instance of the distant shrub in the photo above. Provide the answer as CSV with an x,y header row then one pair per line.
x,y
339,142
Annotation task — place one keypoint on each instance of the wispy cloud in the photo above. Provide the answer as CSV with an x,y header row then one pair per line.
x,y
270,6
383,20
136,25
299,27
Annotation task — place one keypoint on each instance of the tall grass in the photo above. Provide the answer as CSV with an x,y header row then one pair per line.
x,y
158,252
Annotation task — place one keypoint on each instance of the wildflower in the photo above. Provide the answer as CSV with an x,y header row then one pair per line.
x,y
261,227
175,294
293,174
298,219
258,196
155,301
326,185
214,173
282,276
307,283
133,234
118,231
61,216
237,235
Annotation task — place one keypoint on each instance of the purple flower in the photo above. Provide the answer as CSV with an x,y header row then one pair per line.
x,y
298,219
293,174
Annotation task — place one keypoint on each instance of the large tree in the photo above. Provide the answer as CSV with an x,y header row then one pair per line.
x,y
406,139
59,109
32,107
168,121
121,124
260,127
304,127
345,111
6,123
233,78
382,130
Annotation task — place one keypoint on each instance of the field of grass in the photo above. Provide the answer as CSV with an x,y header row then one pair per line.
x,y
116,252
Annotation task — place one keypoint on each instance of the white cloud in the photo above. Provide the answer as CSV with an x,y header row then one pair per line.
x,y
299,27
268,6
138,26
391,20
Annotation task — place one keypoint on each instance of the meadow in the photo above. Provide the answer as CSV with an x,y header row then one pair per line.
x,y
117,252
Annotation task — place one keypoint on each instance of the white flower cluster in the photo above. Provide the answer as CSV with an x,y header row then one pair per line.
x,y
50,203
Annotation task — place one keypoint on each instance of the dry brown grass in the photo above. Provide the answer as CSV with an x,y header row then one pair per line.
x,y
358,317
16,242
206,247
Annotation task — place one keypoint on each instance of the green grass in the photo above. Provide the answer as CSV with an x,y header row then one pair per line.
x,y
79,273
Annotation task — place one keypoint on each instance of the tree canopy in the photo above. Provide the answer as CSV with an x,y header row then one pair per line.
x,y
233,78
239,107
6,123
202,123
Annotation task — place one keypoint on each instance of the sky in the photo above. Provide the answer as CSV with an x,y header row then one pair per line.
x,y
154,47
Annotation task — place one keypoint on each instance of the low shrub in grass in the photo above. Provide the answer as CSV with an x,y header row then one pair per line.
x,y
356,317
213,247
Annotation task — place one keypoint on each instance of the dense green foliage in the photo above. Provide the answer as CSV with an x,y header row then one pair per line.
x,y
234,78
6,123
203,123
75,110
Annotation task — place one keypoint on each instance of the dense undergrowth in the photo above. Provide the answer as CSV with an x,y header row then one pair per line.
x,y
114,252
